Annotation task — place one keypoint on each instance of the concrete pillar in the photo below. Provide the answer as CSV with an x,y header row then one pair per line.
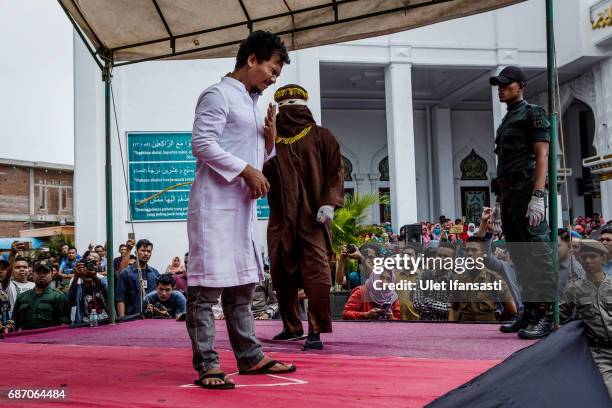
x,y
400,141
443,162
499,109
89,204
606,196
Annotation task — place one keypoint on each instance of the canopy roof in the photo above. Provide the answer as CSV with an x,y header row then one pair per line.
x,y
130,31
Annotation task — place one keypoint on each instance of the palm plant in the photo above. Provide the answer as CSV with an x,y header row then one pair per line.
x,y
348,224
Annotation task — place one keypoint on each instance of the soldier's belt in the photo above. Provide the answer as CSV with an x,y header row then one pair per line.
x,y
515,178
599,342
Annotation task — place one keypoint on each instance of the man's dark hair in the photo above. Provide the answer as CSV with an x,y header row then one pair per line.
x,y
564,234
98,246
143,242
264,45
72,247
132,256
165,279
186,253
447,244
473,238
122,246
23,259
606,230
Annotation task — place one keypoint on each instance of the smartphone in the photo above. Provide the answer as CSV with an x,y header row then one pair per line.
x,y
27,246
131,236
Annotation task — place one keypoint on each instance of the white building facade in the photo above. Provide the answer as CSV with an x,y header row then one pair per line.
x,y
413,112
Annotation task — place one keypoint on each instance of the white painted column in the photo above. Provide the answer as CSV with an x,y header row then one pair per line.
x,y
499,111
374,211
400,140
606,197
499,108
443,162
88,193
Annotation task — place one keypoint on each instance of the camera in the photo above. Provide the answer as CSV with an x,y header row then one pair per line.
x,y
351,248
90,264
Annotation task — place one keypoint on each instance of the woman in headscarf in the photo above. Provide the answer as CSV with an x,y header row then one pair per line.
x,y
437,232
175,266
373,301
425,236
471,229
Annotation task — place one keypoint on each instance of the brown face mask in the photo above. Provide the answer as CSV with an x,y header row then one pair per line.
x,y
292,119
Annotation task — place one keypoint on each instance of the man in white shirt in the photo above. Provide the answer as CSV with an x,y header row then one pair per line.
x,y
231,142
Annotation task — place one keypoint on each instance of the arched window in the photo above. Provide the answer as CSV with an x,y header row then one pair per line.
x,y
383,169
473,167
348,169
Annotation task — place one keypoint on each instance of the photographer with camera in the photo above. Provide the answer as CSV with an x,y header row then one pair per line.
x,y
87,292
369,303
352,279
165,302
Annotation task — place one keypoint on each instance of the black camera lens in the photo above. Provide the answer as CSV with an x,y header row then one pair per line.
x,y
90,264
351,248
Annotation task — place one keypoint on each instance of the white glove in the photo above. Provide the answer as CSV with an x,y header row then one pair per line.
x,y
325,214
496,223
535,211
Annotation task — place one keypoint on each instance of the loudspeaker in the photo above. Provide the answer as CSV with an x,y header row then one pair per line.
x,y
411,233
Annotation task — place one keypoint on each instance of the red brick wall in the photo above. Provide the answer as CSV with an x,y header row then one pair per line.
x,y
11,228
14,190
15,196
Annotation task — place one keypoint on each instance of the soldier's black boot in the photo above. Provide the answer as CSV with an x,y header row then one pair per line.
x,y
541,326
519,322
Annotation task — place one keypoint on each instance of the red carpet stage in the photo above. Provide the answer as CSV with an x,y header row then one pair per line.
x,y
148,364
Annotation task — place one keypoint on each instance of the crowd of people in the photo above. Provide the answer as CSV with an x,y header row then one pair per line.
x,y
448,240
72,288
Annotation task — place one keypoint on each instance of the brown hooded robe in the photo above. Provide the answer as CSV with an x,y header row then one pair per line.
x,y
305,174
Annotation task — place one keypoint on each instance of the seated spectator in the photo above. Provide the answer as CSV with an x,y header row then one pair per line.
x,y
40,307
165,302
5,305
20,269
87,292
407,310
349,257
180,278
432,304
368,303
67,268
117,260
130,292
569,267
480,305
606,239
175,266
589,299
99,249
64,253
264,305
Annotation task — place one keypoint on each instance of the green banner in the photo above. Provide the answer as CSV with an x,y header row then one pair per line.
x,y
263,209
158,160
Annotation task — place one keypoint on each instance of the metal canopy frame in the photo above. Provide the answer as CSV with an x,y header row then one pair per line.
x,y
104,59
103,53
